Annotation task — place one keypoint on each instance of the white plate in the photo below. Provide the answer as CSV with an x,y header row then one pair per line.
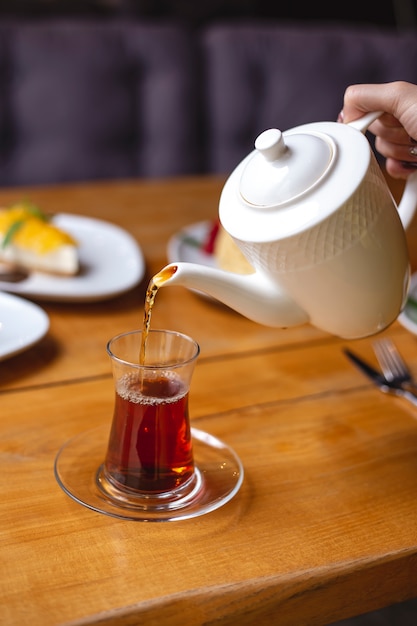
x,y
408,318
111,263
22,324
186,245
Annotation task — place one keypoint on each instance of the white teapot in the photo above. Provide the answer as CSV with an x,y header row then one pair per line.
x,y
312,213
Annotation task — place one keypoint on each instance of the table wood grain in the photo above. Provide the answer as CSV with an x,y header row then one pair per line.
x,y
324,526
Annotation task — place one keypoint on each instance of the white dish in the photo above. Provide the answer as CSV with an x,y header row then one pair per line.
x,y
187,245
408,318
22,324
111,263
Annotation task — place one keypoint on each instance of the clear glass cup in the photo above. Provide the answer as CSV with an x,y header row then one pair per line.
x,y
150,452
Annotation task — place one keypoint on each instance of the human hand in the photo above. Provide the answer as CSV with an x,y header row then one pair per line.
x,y
396,129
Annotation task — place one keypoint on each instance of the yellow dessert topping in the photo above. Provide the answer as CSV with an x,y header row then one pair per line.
x,y
27,227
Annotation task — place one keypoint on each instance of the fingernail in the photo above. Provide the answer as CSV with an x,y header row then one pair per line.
x,y
341,117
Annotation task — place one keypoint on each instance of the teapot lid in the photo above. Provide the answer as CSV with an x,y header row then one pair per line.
x,y
293,180
281,170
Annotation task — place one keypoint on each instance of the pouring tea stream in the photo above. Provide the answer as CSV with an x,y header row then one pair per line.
x,y
312,212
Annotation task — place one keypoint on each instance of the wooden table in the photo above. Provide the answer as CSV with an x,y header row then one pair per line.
x,y
324,526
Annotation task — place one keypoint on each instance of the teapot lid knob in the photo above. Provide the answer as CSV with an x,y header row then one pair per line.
x,y
270,144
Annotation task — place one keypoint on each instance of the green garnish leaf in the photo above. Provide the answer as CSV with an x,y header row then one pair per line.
x,y
412,302
30,208
33,209
11,231
191,241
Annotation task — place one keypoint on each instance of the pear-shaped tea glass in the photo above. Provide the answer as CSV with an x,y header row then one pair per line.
x,y
155,467
150,450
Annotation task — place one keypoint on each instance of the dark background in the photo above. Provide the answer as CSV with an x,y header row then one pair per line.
x,y
400,14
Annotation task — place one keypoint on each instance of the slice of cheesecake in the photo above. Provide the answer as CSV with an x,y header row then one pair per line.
x,y
30,240
228,256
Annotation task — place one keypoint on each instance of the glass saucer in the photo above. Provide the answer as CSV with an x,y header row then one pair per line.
x,y
218,469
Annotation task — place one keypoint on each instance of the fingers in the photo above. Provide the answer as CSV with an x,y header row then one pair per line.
x,y
396,129
398,100
360,99
400,169
401,158
404,150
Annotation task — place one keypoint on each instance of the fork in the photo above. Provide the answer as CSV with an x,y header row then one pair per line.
x,y
392,364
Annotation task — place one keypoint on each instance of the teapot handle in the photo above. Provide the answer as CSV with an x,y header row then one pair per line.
x,y
362,123
408,204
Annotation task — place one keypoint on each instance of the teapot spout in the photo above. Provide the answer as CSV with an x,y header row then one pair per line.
x,y
254,296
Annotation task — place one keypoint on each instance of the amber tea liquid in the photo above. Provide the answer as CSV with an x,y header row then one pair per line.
x,y
150,445
157,281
